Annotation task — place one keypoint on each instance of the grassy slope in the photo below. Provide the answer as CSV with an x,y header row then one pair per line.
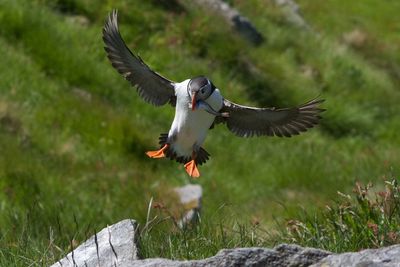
x,y
71,135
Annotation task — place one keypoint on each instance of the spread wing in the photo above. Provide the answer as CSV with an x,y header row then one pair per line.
x,y
249,121
152,87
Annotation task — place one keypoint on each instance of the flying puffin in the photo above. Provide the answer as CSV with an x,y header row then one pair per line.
x,y
199,105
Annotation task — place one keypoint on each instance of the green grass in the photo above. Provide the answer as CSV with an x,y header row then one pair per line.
x,y
73,133
368,219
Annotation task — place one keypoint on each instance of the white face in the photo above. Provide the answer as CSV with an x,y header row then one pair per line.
x,y
199,88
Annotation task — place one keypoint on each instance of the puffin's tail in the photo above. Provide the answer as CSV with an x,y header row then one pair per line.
x,y
202,154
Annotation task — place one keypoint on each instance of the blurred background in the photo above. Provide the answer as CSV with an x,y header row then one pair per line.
x,y
73,132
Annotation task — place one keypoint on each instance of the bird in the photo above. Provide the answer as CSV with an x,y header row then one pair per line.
x,y
199,106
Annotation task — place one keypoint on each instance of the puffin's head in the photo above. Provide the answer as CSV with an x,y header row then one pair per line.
x,y
200,88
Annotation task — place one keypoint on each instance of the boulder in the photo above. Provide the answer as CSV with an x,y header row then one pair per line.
x,y
382,257
115,245
281,256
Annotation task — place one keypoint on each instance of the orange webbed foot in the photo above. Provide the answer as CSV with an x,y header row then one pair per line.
x,y
157,153
191,169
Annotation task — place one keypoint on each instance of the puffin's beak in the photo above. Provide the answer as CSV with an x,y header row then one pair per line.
x,y
194,96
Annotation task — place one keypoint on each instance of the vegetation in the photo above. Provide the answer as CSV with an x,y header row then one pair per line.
x,y
366,220
73,133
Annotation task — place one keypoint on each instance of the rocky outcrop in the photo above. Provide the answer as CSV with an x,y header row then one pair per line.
x,y
116,246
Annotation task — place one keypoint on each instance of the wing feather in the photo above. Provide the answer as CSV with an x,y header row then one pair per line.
x,y
250,121
151,86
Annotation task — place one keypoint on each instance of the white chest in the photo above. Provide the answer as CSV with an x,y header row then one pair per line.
x,y
189,128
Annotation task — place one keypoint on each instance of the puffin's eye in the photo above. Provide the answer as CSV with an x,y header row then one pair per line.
x,y
202,91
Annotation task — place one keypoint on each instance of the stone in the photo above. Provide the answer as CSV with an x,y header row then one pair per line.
x,y
281,256
293,14
239,23
190,201
113,246
382,257
299,256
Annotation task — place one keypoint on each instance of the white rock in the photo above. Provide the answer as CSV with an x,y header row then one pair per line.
x,y
190,198
113,246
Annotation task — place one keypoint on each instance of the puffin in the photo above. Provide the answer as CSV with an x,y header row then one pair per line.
x,y
199,106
